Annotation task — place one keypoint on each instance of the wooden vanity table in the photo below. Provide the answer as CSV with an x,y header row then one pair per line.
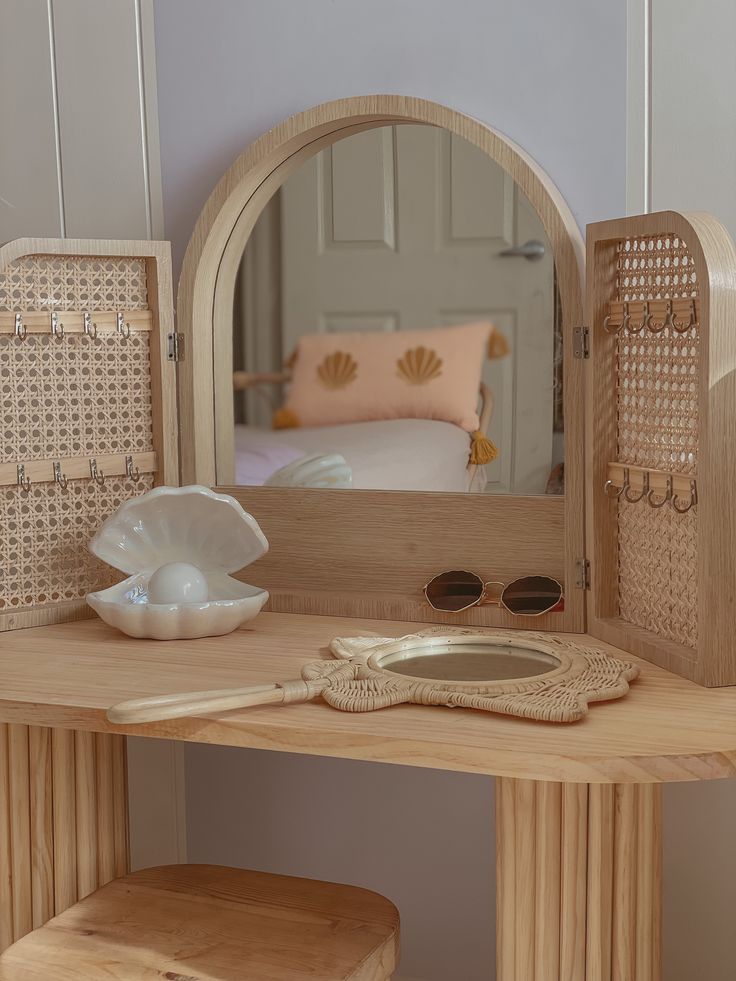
x,y
644,367
578,806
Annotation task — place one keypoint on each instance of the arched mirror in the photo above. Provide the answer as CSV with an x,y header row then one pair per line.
x,y
378,306
396,326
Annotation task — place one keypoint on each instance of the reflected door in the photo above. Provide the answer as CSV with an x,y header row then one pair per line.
x,y
401,227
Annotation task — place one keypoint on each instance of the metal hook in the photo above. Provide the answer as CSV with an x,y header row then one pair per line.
x,y
96,475
611,329
59,477
122,328
90,328
134,474
692,321
644,490
655,328
669,320
21,331
23,482
57,328
626,320
609,483
691,503
644,321
667,497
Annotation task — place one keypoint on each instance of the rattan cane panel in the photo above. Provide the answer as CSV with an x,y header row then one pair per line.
x,y
657,567
75,396
43,550
45,282
657,427
654,268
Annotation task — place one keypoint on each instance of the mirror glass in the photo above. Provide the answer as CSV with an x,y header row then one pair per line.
x,y
396,327
470,662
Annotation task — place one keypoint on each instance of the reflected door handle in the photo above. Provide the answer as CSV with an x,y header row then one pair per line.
x,y
532,250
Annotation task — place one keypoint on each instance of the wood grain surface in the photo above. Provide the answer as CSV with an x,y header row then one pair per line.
x,y
665,729
214,924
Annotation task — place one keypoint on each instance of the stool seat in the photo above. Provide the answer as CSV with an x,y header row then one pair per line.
x,y
211,923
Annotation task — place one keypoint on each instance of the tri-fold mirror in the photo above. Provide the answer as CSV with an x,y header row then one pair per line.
x,y
396,327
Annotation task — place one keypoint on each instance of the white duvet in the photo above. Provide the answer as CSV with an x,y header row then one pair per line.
x,y
395,454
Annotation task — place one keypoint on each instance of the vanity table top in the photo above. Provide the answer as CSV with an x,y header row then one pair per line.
x,y
665,729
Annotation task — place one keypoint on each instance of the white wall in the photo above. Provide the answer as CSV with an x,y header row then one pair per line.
x,y
79,149
549,75
552,76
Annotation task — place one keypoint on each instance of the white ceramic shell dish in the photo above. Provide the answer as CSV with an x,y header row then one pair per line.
x,y
179,524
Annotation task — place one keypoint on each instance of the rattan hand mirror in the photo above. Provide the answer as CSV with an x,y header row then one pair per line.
x,y
531,676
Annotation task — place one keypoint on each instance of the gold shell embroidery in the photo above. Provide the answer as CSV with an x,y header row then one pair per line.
x,y
337,370
419,365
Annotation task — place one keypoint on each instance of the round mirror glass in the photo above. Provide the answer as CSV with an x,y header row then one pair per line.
x,y
396,327
487,661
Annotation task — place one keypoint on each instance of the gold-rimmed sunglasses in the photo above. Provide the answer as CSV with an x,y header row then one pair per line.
x,y
529,596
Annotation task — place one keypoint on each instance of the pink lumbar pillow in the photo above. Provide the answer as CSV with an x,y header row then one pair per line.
x,y
409,374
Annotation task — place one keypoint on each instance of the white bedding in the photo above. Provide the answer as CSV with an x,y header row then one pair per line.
x,y
396,454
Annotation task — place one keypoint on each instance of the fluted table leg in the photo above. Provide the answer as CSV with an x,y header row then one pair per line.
x,y
578,870
63,821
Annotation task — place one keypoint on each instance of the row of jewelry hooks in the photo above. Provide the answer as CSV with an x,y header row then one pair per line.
x,y
650,494
648,322
95,474
56,327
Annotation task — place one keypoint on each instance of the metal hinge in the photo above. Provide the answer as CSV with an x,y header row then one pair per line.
x,y
175,347
581,342
582,574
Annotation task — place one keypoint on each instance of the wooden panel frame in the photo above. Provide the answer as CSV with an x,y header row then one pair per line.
x,y
713,663
157,258
345,544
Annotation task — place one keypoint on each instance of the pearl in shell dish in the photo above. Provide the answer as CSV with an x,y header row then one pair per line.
x,y
179,547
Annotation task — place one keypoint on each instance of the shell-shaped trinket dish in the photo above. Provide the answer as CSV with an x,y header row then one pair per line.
x,y
178,547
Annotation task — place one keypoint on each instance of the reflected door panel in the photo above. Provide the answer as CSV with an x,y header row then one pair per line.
x,y
412,218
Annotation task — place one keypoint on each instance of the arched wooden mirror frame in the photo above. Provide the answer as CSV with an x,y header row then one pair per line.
x,y
370,552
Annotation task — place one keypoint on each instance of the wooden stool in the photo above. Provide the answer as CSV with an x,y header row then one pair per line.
x,y
209,923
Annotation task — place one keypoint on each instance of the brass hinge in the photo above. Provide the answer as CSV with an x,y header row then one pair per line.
x,y
175,347
581,342
582,574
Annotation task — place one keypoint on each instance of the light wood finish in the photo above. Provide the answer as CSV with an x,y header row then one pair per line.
x,y
375,555
658,311
240,925
65,817
74,467
640,478
204,310
42,826
39,322
86,811
573,871
618,900
19,804
6,847
713,661
49,829
665,729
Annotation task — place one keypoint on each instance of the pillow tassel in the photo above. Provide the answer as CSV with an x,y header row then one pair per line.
x,y
482,449
285,419
498,346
